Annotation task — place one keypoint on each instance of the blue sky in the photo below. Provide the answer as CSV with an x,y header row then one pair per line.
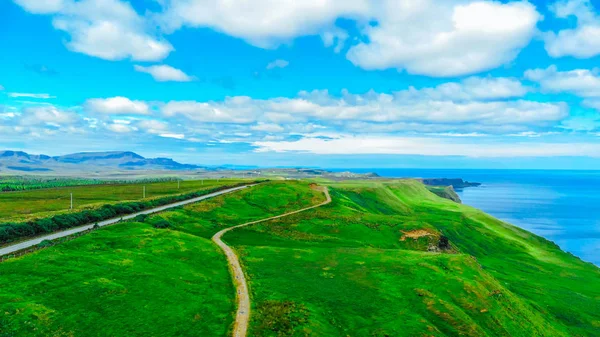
x,y
332,83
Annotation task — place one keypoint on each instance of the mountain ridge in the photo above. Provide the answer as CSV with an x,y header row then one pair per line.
x,y
20,161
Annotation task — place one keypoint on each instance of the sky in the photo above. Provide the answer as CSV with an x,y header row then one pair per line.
x,y
319,83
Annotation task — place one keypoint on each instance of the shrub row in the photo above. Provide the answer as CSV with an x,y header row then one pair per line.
x,y
10,232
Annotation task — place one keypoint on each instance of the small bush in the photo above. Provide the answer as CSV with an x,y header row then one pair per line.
x,y
141,218
44,244
161,223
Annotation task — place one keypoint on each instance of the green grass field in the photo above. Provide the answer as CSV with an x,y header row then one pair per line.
x,y
25,205
360,266
353,269
131,279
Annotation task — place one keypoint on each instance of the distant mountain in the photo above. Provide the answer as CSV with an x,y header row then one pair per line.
x,y
18,161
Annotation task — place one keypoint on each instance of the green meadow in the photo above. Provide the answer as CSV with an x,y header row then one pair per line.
x,y
367,264
132,279
360,266
26,205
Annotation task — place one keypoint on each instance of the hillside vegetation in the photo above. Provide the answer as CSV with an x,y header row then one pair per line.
x,y
385,258
133,279
361,267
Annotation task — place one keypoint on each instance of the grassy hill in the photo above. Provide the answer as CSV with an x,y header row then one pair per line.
x,y
360,267
368,264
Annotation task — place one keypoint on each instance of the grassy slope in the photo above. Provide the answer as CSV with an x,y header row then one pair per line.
x,y
348,272
133,280
340,270
38,203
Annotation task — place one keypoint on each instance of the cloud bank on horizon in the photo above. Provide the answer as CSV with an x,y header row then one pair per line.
x,y
268,79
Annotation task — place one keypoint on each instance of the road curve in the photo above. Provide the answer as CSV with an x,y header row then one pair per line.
x,y
30,243
242,316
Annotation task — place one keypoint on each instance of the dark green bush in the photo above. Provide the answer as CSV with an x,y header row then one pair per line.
x,y
44,244
141,218
161,223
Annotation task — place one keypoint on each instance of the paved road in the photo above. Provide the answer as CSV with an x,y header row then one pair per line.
x,y
29,243
242,316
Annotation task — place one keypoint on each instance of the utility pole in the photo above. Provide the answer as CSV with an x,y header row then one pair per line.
x,y
71,201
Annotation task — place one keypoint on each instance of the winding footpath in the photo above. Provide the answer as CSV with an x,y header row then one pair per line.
x,y
33,242
242,316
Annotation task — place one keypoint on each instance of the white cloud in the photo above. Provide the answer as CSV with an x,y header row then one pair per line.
x,y
472,88
117,105
108,29
267,127
233,110
41,7
582,41
445,38
263,23
277,64
1,88
153,126
461,107
30,95
592,103
120,128
164,73
581,82
172,135
437,38
47,115
582,123
351,145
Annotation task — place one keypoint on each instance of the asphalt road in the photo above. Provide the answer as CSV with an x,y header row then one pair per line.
x,y
30,243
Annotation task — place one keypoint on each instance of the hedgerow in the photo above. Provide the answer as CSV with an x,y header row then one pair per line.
x,y
12,231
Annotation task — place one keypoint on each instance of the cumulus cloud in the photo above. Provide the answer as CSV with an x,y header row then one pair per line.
x,y
29,95
233,110
484,102
445,38
277,64
164,73
47,115
153,126
436,38
351,145
108,29
172,135
581,82
263,23
41,7
117,105
592,103
267,127
472,88
119,128
582,41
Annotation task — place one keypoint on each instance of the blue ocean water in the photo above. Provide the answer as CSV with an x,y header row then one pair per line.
x,y
562,206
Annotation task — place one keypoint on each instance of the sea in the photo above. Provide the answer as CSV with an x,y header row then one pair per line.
x,y
561,205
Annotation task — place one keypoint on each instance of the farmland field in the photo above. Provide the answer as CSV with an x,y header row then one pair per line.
x,y
25,205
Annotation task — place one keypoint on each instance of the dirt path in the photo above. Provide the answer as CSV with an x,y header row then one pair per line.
x,y
242,316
